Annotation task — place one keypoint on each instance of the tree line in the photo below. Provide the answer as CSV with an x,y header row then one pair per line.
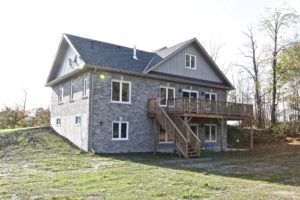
x,y
17,117
269,75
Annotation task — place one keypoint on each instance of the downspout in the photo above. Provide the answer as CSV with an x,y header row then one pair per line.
x,y
90,142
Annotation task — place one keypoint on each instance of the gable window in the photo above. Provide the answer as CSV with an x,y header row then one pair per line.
x,y
120,130
164,137
190,61
165,94
60,95
58,122
120,91
211,96
78,120
85,87
210,132
72,91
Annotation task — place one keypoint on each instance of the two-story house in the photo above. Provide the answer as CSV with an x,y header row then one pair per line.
x,y
109,98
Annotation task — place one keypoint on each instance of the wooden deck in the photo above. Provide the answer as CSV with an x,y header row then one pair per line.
x,y
200,108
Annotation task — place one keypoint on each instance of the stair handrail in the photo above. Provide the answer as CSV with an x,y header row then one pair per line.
x,y
158,110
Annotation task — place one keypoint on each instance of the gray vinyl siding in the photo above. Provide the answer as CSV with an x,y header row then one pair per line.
x,y
176,65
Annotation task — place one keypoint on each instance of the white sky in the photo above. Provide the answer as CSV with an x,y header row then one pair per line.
x,y
31,31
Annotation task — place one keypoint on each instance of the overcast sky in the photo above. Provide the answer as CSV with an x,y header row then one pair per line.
x,y
31,31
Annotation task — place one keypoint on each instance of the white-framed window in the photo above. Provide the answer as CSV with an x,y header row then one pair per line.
x,y
164,137
58,121
165,94
120,130
85,86
77,120
60,95
211,96
120,91
72,86
190,61
210,132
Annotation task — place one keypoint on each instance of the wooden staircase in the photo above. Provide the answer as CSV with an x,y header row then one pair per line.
x,y
187,143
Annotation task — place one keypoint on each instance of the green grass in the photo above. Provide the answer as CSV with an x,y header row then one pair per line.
x,y
38,164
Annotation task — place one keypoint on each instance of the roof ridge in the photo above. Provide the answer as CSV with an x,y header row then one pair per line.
x,y
85,38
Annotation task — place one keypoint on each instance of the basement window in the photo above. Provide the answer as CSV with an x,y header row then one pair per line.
x,y
210,132
190,61
164,137
58,122
77,120
120,130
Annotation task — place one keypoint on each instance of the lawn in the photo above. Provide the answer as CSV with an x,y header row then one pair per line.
x,y
37,164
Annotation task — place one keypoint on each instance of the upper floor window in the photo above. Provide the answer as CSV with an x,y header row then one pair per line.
x,y
85,86
190,61
72,85
166,94
211,96
60,95
120,130
120,91
210,132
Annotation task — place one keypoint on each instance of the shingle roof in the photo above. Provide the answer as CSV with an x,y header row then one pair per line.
x,y
104,54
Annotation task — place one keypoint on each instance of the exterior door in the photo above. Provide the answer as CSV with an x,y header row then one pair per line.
x,y
194,128
210,102
190,100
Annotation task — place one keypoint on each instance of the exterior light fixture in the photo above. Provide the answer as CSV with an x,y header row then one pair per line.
x,y
102,76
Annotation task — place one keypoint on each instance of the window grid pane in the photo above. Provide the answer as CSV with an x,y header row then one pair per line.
x,y
115,130
187,61
123,130
116,91
207,132
163,96
171,96
125,92
193,62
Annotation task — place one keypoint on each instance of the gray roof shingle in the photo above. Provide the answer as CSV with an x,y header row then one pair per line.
x,y
104,54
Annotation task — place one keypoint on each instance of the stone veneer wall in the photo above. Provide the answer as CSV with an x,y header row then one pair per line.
x,y
140,134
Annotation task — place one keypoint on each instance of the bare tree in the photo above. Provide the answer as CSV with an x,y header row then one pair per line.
x,y
275,24
251,53
214,50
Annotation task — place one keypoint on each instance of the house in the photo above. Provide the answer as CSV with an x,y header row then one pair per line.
x,y
109,98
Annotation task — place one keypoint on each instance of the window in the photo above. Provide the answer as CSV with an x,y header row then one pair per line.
x,y
210,96
120,91
58,122
78,120
60,95
120,131
210,132
72,91
167,93
190,61
164,137
85,87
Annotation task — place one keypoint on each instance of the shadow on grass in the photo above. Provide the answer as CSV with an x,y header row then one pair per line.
x,y
280,165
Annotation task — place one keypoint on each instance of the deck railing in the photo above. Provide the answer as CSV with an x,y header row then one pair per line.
x,y
210,107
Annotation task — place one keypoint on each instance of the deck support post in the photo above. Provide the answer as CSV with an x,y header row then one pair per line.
x,y
222,134
155,135
251,135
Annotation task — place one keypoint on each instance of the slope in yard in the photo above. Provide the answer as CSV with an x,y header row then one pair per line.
x,y
36,163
